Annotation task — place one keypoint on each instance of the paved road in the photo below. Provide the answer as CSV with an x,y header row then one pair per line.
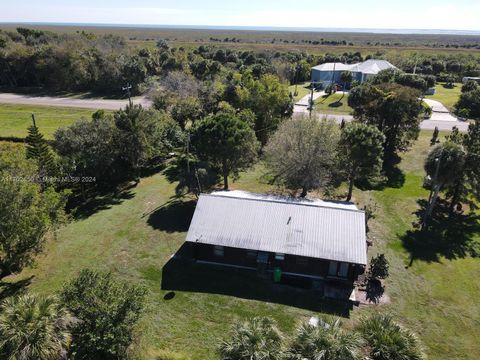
x,y
444,124
7,98
441,117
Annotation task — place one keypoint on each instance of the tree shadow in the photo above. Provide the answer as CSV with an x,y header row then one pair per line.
x,y
335,104
374,290
183,274
92,204
8,289
452,237
395,177
173,216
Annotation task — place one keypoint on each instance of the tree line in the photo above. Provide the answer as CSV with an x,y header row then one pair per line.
x,y
104,63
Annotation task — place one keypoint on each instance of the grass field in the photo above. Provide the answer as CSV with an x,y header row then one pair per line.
x,y
15,119
335,103
135,235
275,40
447,97
302,90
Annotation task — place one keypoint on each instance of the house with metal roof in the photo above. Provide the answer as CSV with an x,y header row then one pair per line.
x,y
329,73
279,236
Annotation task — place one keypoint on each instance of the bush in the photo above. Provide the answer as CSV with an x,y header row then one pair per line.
x,y
378,267
388,340
469,86
470,101
427,110
108,310
257,339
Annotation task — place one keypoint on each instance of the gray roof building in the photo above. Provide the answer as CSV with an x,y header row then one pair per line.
x,y
316,229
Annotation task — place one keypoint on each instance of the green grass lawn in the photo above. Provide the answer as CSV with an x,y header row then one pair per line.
x,y
15,119
136,236
447,97
333,104
302,90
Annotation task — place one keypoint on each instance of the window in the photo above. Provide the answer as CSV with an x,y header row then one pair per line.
x,y
251,254
332,269
343,271
338,269
218,250
279,256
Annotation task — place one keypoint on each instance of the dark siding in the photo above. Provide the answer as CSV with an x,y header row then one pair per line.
x,y
291,264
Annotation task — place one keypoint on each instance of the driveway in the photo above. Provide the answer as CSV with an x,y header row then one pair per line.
x,y
439,111
7,98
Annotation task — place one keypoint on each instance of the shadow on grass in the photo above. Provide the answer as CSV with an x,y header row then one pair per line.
x,y
97,202
374,290
185,275
452,237
8,289
395,177
173,216
42,91
335,104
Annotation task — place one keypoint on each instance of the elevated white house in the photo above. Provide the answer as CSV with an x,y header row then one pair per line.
x,y
331,72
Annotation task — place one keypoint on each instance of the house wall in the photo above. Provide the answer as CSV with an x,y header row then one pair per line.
x,y
326,76
299,265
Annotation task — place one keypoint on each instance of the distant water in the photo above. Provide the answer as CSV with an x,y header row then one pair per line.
x,y
268,28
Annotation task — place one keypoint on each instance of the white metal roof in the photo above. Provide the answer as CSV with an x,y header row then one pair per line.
x,y
330,66
374,66
317,229
371,66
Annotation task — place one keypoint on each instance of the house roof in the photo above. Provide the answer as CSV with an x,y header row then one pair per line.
x,y
374,66
371,66
317,229
337,66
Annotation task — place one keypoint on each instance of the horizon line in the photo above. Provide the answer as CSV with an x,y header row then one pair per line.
x,y
394,31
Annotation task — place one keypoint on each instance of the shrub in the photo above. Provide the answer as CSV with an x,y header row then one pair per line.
x,y
108,310
257,339
378,267
388,340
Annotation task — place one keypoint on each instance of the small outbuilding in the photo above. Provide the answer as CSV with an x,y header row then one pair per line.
x,y
471,78
281,236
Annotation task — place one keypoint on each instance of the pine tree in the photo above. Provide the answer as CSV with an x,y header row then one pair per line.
x,y
39,150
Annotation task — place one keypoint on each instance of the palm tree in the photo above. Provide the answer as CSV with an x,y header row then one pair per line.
x,y
327,341
387,340
346,78
33,327
257,339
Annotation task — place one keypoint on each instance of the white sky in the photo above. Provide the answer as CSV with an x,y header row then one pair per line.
x,y
406,14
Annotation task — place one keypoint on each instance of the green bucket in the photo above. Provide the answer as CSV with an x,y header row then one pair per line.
x,y
277,274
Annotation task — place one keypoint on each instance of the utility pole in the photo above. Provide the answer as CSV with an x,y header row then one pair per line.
x,y
310,102
310,105
296,79
188,152
333,75
128,89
